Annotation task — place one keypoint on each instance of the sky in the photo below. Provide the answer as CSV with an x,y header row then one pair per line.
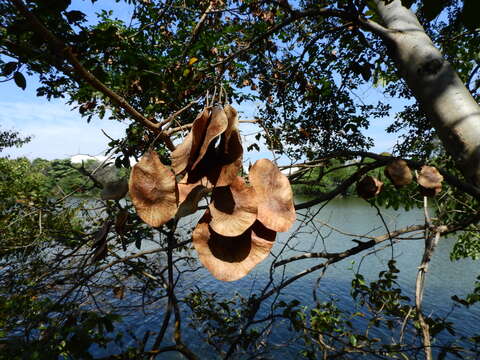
x,y
59,132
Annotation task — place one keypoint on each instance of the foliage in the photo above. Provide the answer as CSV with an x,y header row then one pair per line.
x,y
11,138
34,227
324,178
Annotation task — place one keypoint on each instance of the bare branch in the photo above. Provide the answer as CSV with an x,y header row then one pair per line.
x,y
355,250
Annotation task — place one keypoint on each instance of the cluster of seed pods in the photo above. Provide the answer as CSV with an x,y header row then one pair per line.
x,y
398,172
239,227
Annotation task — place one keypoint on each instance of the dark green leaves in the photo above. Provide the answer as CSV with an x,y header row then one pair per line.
x,y
9,68
470,14
432,8
20,80
75,16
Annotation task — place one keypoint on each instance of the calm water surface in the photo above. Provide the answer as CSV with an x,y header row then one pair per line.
x,y
353,216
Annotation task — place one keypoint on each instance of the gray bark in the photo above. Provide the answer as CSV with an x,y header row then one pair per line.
x,y
441,94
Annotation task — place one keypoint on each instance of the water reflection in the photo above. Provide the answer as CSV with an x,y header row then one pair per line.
x,y
352,216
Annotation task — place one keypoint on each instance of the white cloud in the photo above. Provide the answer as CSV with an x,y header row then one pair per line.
x,y
58,132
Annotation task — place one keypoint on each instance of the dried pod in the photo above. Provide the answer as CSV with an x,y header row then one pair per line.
x,y
121,221
232,116
114,190
224,175
153,190
185,153
217,125
121,226
199,156
199,129
369,187
233,208
229,152
231,258
181,155
101,235
188,197
399,173
100,242
204,167
275,198
119,292
219,167
429,180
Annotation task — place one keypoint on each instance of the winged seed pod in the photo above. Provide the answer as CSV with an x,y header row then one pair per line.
x,y
200,157
121,221
185,153
100,242
399,173
429,181
232,116
229,152
114,190
217,125
231,258
189,196
275,198
233,208
217,165
369,187
153,190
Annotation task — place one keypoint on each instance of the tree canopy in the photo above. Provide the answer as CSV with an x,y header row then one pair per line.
x,y
172,72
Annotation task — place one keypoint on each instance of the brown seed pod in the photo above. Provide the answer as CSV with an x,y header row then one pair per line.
x,y
429,180
119,292
185,153
217,125
275,198
229,152
199,129
399,173
233,208
203,168
231,258
219,167
153,190
114,190
369,187
199,156
100,242
121,221
232,116
228,160
181,155
189,196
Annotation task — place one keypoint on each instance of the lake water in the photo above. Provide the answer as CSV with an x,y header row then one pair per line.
x,y
353,216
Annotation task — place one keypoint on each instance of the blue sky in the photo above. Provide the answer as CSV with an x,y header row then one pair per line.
x,y
59,132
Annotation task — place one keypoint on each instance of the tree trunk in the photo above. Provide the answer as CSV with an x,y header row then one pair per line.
x,y
442,96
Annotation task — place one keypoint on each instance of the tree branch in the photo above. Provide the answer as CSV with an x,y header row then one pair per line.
x,y
67,52
360,247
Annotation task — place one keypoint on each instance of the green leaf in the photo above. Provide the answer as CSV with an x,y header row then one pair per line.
x,y
20,80
75,16
353,340
9,68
